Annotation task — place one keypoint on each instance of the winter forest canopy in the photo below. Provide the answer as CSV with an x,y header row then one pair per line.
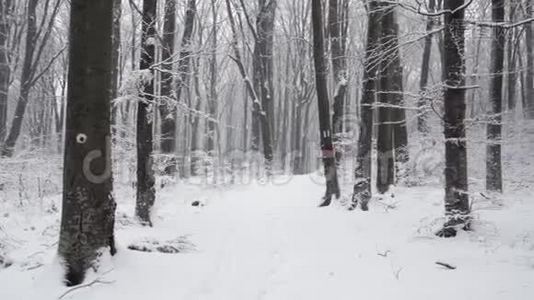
x,y
266,149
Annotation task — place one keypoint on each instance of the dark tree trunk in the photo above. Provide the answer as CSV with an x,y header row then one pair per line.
x,y
263,74
88,206
296,138
5,71
212,103
339,64
25,79
184,64
396,92
513,38
321,73
195,133
385,139
494,129
146,194
167,107
184,74
423,104
529,39
441,45
456,187
362,186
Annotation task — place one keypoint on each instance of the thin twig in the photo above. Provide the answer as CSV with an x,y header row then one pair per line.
x,y
95,281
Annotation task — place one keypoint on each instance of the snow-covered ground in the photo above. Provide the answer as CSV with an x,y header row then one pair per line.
x,y
270,241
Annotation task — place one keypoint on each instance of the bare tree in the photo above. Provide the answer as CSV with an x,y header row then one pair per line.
x,y
117,12
422,116
396,92
167,107
362,186
258,110
30,72
494,129
528,106
88,206
321,73
5,71
184,66
456,188
513,45
387,69
263,73
146,194
337,27
212,103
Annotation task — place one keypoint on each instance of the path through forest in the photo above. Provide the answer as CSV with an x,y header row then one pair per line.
x,y
272,242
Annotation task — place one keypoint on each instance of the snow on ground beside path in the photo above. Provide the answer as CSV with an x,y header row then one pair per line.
x,y
272,242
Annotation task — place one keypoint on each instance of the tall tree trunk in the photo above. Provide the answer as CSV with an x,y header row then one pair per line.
x,y
257,105
88,206
184,74
196,149
362,185
456,187
212,103
400,131
167,107
296,138
529,39
494,129
513,44
263,74
321,73
146,194
385,140
5,71
117,12
475,77
422,104
339,64
441,44
25,79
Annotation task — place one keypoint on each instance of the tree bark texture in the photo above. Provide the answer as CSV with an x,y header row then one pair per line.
x,y
321,73
88,207
146,194
456,187
529,40
167,106
336,28
5,71
422,104
362,185
263,74
494,127
26,77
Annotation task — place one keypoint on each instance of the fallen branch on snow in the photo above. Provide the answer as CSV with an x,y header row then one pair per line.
x,y
446,265
81,286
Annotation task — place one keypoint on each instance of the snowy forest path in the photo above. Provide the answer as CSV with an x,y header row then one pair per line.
x,y
274,246
272,242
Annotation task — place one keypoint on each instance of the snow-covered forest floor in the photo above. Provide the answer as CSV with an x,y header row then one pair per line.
x,y
270,241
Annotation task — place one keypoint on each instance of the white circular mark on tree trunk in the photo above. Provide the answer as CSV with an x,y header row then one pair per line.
x,y
81,138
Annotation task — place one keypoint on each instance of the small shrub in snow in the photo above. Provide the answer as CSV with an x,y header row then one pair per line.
x,y
178,245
